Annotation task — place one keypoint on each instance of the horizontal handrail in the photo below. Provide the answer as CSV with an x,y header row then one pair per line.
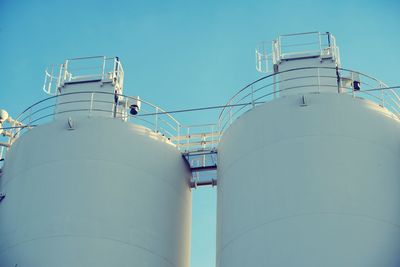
x,y
103,104
271,86
108,69
300,33
206,137
295,46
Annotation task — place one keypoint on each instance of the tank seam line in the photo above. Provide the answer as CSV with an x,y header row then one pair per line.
x,y
88,237
302,215
50,162
297,137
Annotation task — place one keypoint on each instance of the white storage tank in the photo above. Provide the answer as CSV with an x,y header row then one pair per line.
x,y
94,190
311,179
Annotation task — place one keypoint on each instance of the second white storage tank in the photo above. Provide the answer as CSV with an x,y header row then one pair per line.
x,y
310,185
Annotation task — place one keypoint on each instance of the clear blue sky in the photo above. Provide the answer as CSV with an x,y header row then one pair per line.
x,y
180,54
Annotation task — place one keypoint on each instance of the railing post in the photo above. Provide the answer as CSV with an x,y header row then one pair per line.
x,y
60,76
188,138
14,132
91,104
125,109
352,89
156,130
114,71
252,95
219,129
30,116
50,81
320,44
179,137
104,68
212,136
204,139
65,70
279,47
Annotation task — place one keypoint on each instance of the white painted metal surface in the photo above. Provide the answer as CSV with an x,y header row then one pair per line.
x,y
95,99
310,185
313,75
107,193
89,188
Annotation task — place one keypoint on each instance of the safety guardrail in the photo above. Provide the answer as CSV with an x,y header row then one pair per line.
x,y
199,138
297,45
87,68
316,79
93,103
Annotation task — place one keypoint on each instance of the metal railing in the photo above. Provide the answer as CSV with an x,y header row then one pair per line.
x,y
94,103
151,116
296,45
308,43
198,138
272,86
85,68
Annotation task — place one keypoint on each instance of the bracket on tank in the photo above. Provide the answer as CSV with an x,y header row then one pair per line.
x,y
202,162
303,101
195,183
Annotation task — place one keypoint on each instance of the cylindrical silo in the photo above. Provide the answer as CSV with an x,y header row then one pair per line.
x,y
93,190
310,179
